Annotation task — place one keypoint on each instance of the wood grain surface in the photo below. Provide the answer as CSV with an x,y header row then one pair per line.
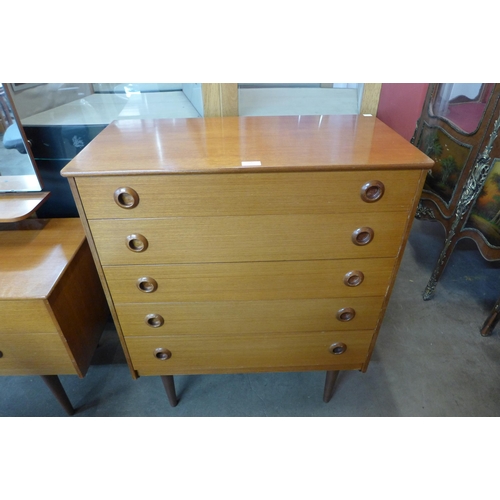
x,y
19,206
33,255
25,316
207,145
249,280
241,317
248,353
34,354
247,194
242,239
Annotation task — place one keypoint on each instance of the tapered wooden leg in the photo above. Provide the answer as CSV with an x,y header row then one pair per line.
x,y
331,378
168,383
55,386
491,320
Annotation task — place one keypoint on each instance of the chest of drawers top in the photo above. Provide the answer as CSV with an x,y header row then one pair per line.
x,y
245,144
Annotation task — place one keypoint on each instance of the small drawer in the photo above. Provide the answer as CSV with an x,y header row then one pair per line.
x,y
248,239
25,316
247,194
250,280
34,354
248,317
173,355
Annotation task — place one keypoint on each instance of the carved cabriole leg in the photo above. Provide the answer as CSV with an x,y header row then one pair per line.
x,y
331,378
55,386
449,245
168,383
491,320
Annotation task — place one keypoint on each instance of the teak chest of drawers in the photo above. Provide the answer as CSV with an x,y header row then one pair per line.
x,y
231,245
52,306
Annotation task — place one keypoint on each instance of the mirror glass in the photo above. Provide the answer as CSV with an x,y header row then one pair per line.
x,y
273,99
70,104
462,104
17,169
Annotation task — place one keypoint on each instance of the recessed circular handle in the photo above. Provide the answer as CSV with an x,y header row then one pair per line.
x,y
353,278
362,236
372,191
346,314
154,320
137,243
147,284
1,354
162,354
126,197
338,348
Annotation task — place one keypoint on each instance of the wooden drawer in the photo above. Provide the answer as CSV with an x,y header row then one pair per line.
x,y
241,317
245,194
34,354
249,280
25,316
228,354
243,239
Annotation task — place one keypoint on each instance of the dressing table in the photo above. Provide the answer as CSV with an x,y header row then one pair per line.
x,y
52,306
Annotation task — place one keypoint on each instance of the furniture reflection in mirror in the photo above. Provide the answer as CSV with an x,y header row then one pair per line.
x,y
458,129
20,187
61,119
17,170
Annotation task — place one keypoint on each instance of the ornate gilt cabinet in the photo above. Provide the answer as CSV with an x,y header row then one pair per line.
x,y
459,129
231,245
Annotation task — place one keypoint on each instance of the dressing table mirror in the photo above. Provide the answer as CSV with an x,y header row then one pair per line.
x,y
20,183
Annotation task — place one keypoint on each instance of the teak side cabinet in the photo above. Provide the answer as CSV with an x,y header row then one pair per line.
x,y
248,244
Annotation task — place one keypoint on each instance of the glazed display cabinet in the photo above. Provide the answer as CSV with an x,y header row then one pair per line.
x,y
459,129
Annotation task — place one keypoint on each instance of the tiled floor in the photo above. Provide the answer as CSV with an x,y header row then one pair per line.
x,y
430,360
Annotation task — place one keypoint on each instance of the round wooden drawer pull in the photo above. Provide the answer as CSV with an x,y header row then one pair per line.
x,y
362,236
147,284
137,243
154,320
126,197
162,354
346,314
338,348
372,191
354,278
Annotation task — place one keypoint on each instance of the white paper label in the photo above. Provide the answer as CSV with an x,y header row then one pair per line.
x,y
250,163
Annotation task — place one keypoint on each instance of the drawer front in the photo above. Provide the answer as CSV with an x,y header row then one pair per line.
x,y
172,355
242,317
242,239
34,354
25,316
250,280
245,194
